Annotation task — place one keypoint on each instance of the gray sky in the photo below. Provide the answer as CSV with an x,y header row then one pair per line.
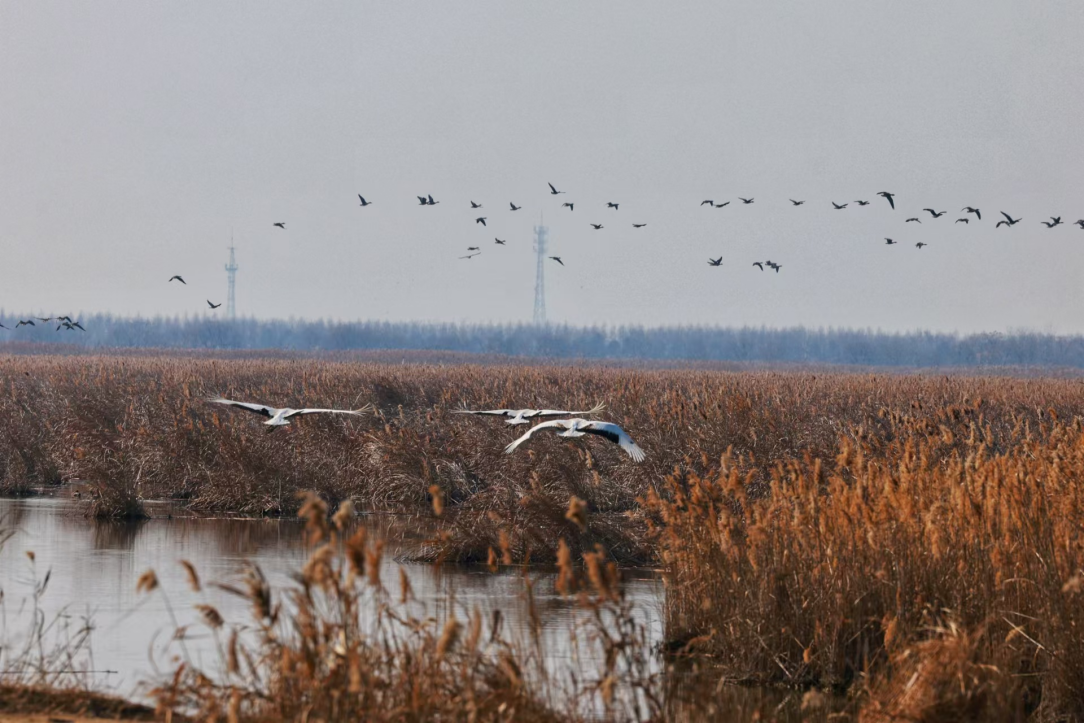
x,y
134,136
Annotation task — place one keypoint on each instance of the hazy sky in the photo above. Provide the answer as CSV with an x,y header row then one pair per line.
x,y
135,136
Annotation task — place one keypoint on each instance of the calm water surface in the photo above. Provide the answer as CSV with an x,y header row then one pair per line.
x,y
93,568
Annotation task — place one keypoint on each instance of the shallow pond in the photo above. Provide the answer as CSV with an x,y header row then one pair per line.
x,y
93,568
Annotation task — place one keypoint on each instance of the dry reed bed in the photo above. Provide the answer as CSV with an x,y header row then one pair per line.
x,y
140,428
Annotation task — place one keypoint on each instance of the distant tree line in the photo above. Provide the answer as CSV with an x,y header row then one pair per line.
x,y
749,344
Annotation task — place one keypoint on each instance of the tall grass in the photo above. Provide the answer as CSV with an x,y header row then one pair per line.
x,y
820,571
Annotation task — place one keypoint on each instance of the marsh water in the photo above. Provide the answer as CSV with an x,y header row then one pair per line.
x,y
93,568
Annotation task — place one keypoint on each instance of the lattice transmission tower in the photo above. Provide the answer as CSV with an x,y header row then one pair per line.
x,y
231,275
540,232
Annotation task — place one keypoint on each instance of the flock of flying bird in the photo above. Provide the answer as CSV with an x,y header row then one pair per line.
x,y
571,428
968,211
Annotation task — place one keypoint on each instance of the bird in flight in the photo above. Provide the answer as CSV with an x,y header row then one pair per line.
x,y
708,202
364,203
963,220
920,244
431,202
862,203
470,256
1054,221
1080,223
281,417
715,262
523,416
796,203
578,427
745,200
280,224
596,226
773,266
916,220
1009,220
839,207
571,206
499,242
969,209
514,206
481,220
63,318
935,214
610,204
473,248
213,306
71,326
175,278
758,265
890,197
558,260
25,322
475,205
638,225
554,191
889,242
4,327
724,204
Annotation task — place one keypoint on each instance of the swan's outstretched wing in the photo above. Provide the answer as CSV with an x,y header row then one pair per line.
x,y
257,408
561,423
356,412
617,435
558,413
488,412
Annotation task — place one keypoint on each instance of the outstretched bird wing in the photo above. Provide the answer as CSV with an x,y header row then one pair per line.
x,y
617,435
257,408
559,413
356,412
1008,217
488,412
556,423
552,188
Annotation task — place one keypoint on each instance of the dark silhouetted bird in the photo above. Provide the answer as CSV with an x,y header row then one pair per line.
x,y
1054,221
25,322
1080,223
280,224
176,278
612,205
724,204
475,205
916,220
963,220
481,220
1009,220
571,206
758,265
796,203
745,200
213,306
709,203
838,206
499,242
431,202
364,203
890,197
554,191
638,225
596,226
889,242
920,244
4,327
715,262
473,248
862,203
514,206
969,209
773,265
935,214
558,260
470,256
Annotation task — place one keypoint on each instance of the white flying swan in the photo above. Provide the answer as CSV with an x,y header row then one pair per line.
x,y
281,417
579,427
523,416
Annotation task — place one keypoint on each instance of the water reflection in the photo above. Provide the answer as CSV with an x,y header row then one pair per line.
x,y
95,566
